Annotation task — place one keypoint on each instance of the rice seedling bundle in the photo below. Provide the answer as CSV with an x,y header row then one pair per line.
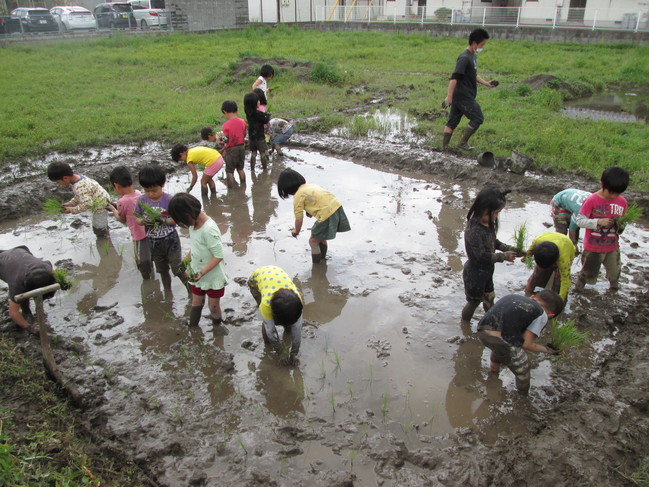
x,y
151,216
53,207
633,212
63,279
565,335
520,236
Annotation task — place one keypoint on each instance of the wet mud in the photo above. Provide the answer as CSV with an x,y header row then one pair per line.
x,y
391,389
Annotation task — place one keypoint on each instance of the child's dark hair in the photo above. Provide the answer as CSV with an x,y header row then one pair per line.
x,y
250,101
184,209
205,134
38,278
545,254
58,170
261,95
478,35
176,150
551,300
288,182
229,106
150,176
286,306
615,179
489,199
122,176
267,71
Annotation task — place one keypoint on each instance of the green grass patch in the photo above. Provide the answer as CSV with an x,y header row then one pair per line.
x,y
167,87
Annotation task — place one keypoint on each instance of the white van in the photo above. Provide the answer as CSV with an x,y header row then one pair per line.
x,y
150,13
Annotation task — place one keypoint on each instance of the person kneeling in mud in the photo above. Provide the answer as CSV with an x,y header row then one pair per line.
x,y
510,327
280,304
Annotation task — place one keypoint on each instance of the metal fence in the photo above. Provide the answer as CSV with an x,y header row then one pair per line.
x,y
550,17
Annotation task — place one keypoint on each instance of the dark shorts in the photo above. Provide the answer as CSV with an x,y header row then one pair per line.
x,y
258,145
211,293
165,252
327,229
477,281
467,107
235,158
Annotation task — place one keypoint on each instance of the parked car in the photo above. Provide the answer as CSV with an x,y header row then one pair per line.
x,y
9,25
35,19
115,15
73,18
150,13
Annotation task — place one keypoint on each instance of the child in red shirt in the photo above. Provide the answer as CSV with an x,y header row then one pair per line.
x,y
233,140
598,215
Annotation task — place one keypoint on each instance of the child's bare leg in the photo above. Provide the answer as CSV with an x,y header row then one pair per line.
x,y
494,367
242,176
316,256
165,277
253,157
488,300
264,159
230,179
323,249
469,309
215,308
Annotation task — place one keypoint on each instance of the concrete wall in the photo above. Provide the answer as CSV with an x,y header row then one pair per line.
x,y
204,15
536,34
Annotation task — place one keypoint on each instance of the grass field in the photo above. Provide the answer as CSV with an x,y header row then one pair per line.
x,y
70,95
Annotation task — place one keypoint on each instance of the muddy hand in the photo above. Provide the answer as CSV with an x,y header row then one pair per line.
x,y
494,83
510,255
551,350
446,103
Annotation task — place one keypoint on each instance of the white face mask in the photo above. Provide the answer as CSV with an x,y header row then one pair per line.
x,y
479,49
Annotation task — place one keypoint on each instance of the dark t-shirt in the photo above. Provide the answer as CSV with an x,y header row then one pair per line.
x,y
512,315
480,243
15,264
256,124
466,73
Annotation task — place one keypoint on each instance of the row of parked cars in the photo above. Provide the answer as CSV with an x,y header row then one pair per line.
x,y
112,15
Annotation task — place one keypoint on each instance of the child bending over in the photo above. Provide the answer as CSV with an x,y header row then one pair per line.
x,y
553,254
280,304
316,202
205,157
88,195
511,326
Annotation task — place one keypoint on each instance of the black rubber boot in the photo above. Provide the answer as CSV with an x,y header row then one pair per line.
x,y
323,250
194,316
446,139
468,132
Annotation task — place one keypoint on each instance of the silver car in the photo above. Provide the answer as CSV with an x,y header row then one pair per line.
x,y
73,18
150,13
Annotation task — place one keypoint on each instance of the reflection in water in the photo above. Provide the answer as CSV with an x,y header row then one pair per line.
x,y
264,206
213,207
282,386
240,225
450,224
465,405
328,302
103,275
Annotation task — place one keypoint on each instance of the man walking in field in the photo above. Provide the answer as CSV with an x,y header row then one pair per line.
x,y
462,90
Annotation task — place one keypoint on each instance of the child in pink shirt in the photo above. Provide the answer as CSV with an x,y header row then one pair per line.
x,y
598,215
122,181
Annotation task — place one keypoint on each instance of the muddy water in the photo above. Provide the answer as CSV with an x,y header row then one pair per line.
x,y
611,106
384,358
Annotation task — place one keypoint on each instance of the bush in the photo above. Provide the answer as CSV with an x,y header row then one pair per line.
x,y
443,14
327,73
523,90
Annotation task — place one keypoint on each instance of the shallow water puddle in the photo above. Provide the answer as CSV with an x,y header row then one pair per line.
x,y
382,340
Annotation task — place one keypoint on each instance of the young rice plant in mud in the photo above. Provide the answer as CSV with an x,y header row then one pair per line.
x,y
565,335
521,234
53,207
385,407
63,278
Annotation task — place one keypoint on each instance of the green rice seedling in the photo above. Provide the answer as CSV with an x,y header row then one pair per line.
x,y
336,358
565,335
53,207
353,453
633,212
185,264
350,389
106,247
385,407
150,216
323,370
98,205
529,261
406,427
332,401
242,445
62,277
520,236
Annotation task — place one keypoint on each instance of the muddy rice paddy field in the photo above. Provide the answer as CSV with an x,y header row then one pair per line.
x,y
391,390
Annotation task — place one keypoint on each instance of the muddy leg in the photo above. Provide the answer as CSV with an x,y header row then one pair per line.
x,y
230,180
488,300
195,315
242,177
469,309
264,335
165,277
323,249
316,256
264,159
253,157
204,191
